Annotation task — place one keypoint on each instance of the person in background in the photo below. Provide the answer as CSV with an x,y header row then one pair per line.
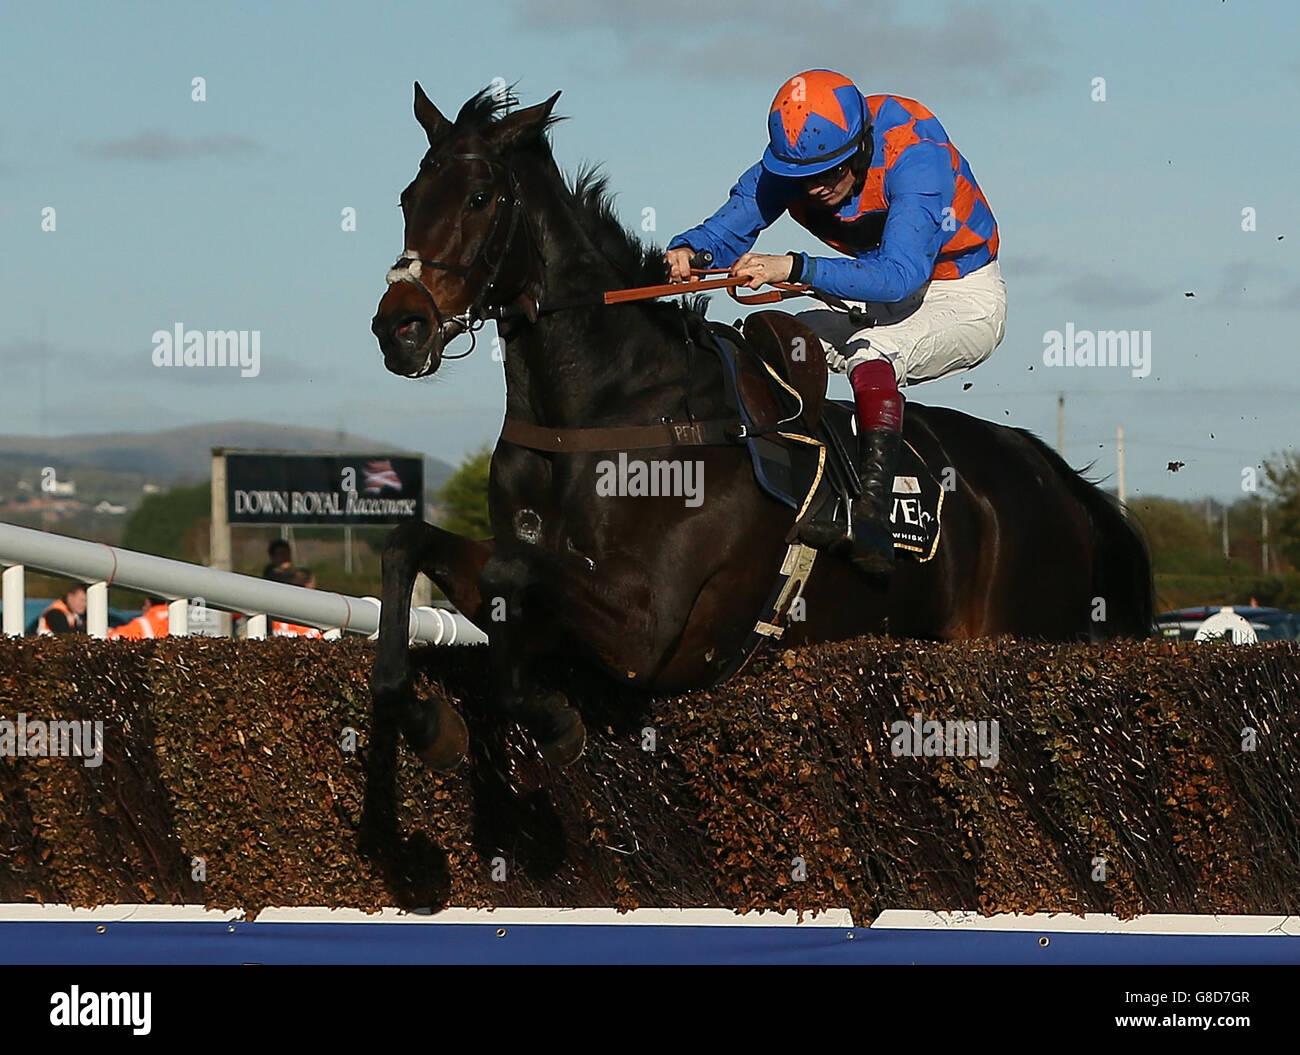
x,y
66,615
305,578
151,622
281,566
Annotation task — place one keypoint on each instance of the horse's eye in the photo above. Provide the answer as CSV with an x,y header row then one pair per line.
x,y
479,200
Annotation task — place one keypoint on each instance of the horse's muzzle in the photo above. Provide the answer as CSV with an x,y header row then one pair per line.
x,y
411,343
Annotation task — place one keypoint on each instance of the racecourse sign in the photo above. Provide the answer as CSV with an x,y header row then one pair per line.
x,y
340,489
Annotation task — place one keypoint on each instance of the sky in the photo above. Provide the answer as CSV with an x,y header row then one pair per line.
x,y
226,213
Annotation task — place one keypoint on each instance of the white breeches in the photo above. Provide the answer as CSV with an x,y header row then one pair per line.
x,y
947,326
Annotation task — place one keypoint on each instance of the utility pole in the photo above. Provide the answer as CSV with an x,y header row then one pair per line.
x,y
47,498
1226,554
1263,515
44,362
1060,424
1119,455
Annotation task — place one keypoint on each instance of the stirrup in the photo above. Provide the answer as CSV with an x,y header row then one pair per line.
x,y
829,536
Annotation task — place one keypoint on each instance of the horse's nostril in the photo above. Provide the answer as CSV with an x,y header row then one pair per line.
x,y
411,330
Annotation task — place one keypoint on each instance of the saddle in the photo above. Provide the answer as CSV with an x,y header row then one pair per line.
x,y
802,444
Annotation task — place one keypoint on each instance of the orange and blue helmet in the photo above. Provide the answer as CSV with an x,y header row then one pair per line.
x,y
818,119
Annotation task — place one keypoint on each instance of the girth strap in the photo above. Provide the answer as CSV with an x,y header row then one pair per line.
x,y
715,433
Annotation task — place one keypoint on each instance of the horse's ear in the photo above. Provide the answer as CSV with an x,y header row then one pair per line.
x,y
522,125
433,123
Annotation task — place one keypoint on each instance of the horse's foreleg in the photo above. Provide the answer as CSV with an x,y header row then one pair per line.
x,y
511,620
436,733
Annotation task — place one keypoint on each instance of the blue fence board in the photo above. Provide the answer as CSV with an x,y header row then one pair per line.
x,y
344,943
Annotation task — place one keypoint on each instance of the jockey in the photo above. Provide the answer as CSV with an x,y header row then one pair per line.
x,y
918,294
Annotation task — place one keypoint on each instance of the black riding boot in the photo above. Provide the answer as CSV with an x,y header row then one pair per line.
x,y
873,536
870,542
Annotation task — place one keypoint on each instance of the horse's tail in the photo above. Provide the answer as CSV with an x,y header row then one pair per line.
x,y
1121,563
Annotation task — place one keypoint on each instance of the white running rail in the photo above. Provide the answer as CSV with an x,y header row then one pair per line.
x,y
98,565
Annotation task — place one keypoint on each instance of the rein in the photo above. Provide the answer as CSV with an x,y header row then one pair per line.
x,y
783,291
409,267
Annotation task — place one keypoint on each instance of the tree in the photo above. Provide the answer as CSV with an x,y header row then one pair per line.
x,y
465,497
165,524
1177,536
1282,474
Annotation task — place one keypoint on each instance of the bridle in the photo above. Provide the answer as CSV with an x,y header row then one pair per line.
x,y
410,264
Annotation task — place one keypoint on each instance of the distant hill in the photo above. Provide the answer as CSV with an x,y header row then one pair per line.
x,y
172,456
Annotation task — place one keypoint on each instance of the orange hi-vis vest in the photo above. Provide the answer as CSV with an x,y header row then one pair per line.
x,y
74,620
293,630
152,623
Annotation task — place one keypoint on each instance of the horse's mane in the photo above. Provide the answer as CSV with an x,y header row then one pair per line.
x,y
642,263
639,263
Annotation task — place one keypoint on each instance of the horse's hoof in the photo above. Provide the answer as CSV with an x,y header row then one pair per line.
x,y
563,735
566,748
451,746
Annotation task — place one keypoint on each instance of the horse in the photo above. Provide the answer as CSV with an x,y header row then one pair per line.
x,y
652,591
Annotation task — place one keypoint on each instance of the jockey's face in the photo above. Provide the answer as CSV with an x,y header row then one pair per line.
x,y
832,187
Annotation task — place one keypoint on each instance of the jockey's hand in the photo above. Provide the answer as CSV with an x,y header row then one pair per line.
x,y
679,263
835,362
759,268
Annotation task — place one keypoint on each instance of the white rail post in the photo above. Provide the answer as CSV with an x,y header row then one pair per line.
x,y
15,600
178,618
256,627
97,610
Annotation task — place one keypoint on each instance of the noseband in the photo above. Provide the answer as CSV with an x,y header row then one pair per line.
x,y
410,264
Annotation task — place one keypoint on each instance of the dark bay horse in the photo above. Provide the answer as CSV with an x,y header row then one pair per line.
x,y
654,591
